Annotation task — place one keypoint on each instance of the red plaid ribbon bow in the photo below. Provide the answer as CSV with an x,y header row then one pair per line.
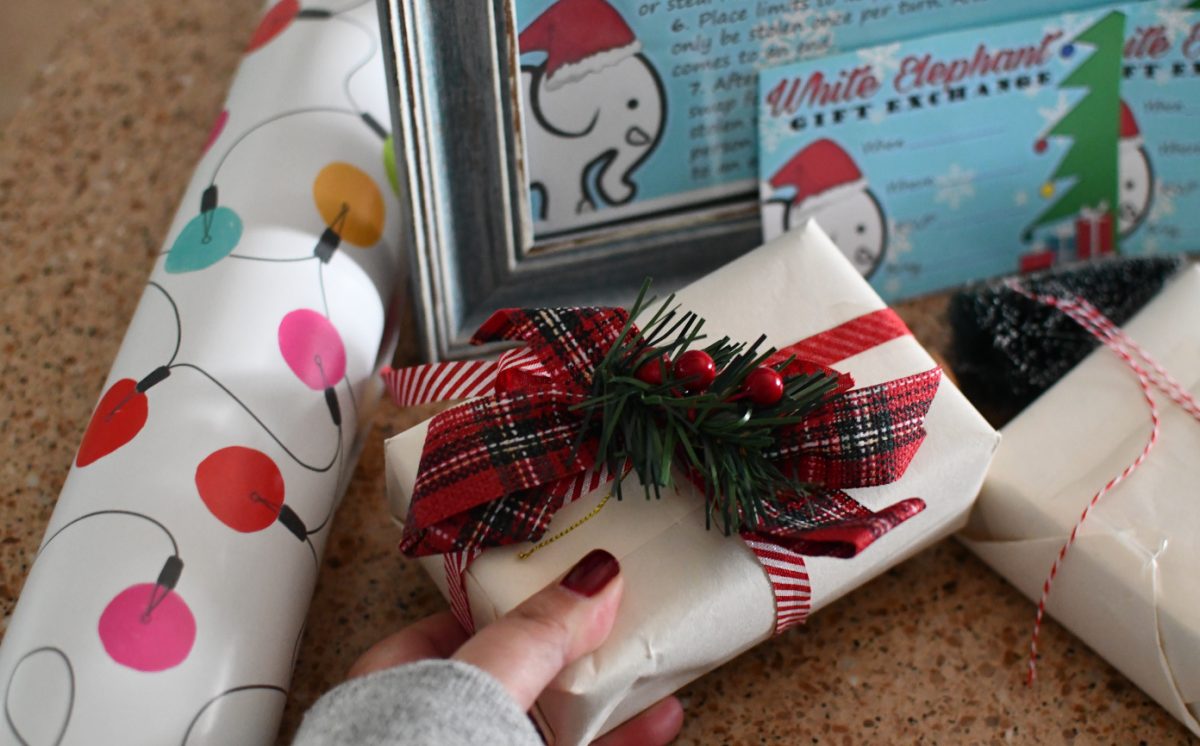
x,y
495,469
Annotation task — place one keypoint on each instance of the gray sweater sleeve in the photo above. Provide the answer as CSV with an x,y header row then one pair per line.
x,y
434,702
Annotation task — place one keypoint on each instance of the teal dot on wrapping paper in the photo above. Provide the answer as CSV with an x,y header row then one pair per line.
x,y
205,240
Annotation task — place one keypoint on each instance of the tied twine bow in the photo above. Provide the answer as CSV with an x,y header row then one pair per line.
x,y
494,470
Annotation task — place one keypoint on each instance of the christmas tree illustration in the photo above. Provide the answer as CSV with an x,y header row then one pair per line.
x,y
1089,166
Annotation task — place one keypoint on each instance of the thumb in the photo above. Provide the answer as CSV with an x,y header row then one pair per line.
x,y
527,647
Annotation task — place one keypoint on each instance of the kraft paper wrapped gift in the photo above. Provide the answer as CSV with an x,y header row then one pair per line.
x,y
695,598
1129,585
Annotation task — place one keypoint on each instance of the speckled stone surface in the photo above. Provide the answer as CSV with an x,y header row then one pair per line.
x,y
91,168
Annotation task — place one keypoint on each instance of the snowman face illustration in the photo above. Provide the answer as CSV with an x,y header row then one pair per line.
x,y
1135,188
855,223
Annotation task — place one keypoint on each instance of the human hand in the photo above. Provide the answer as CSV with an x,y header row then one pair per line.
x,y
525,649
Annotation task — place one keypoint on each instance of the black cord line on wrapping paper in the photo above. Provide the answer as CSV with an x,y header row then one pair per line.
x,y
319,469
62,731
321,285
271,120
114,511
313,550
280,260
199,713
178,321
374,48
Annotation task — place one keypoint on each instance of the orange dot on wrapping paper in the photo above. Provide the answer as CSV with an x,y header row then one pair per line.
x,y
345,194
1047,190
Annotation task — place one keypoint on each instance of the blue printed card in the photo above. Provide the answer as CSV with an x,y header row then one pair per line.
x,y
1159,149
638,109
939,160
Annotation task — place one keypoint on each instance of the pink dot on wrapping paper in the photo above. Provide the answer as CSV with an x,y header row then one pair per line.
x,y
312,348
217,128
144,638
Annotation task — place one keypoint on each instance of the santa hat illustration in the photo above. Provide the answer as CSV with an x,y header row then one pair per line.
x,y
579,37
1129,127
822,173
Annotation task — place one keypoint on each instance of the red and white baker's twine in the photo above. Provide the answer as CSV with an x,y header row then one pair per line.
x,y
1102,328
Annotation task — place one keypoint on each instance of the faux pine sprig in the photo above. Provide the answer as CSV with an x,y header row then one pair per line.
x,y
658,401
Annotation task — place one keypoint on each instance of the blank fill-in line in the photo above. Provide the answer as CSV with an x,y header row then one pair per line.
x,y
960,137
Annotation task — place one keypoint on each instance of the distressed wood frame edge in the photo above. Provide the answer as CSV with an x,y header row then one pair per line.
x,y
448,219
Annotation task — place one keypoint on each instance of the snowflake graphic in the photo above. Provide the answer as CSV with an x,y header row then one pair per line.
x,y
1020,198
1176,22
1164,202
899,239
773,136
1052,114
1071,25
882,59
955,186
800,31
893,285
1033,90
1151,246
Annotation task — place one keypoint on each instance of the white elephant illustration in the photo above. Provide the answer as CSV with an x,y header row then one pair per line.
x,y
594,109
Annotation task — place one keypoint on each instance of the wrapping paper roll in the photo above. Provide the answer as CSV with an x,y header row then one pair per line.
x,y
167,600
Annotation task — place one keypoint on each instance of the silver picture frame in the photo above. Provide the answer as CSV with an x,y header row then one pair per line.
x,y
453,75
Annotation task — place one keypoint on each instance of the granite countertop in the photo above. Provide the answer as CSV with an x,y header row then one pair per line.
x,y
91,168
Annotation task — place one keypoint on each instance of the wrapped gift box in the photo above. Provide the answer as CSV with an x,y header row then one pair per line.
x,y
1128,586
696,598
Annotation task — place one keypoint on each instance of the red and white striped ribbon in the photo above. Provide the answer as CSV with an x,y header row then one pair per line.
x,y
789,582
450,381
785,569
456,564
1138,360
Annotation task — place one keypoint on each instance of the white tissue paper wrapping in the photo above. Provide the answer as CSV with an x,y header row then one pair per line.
x,y
694,598
1128,586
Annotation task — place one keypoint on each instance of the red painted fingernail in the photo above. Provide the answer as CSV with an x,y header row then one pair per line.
x,y
591,574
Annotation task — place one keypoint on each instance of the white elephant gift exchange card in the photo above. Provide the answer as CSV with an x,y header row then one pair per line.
x,y
954,157
639,109
1159,149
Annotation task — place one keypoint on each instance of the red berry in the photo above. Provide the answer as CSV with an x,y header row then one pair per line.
x,y
764,386
651,371
696,370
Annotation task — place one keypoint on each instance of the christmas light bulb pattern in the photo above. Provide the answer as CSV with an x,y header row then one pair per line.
x,y
145,627
48,672
345,196
276,384
304,335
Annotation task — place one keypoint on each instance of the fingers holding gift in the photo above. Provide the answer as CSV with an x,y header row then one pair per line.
x,y
526,648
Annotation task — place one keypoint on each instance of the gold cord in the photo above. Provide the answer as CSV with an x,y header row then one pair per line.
x,y
546,542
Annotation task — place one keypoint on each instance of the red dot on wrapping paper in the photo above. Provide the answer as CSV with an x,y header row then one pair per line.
x,y
278,18
1040,146
312,348
217,128
242,487
144,635
120,415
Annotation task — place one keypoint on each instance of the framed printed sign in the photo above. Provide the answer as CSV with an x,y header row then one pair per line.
x,y
559,151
